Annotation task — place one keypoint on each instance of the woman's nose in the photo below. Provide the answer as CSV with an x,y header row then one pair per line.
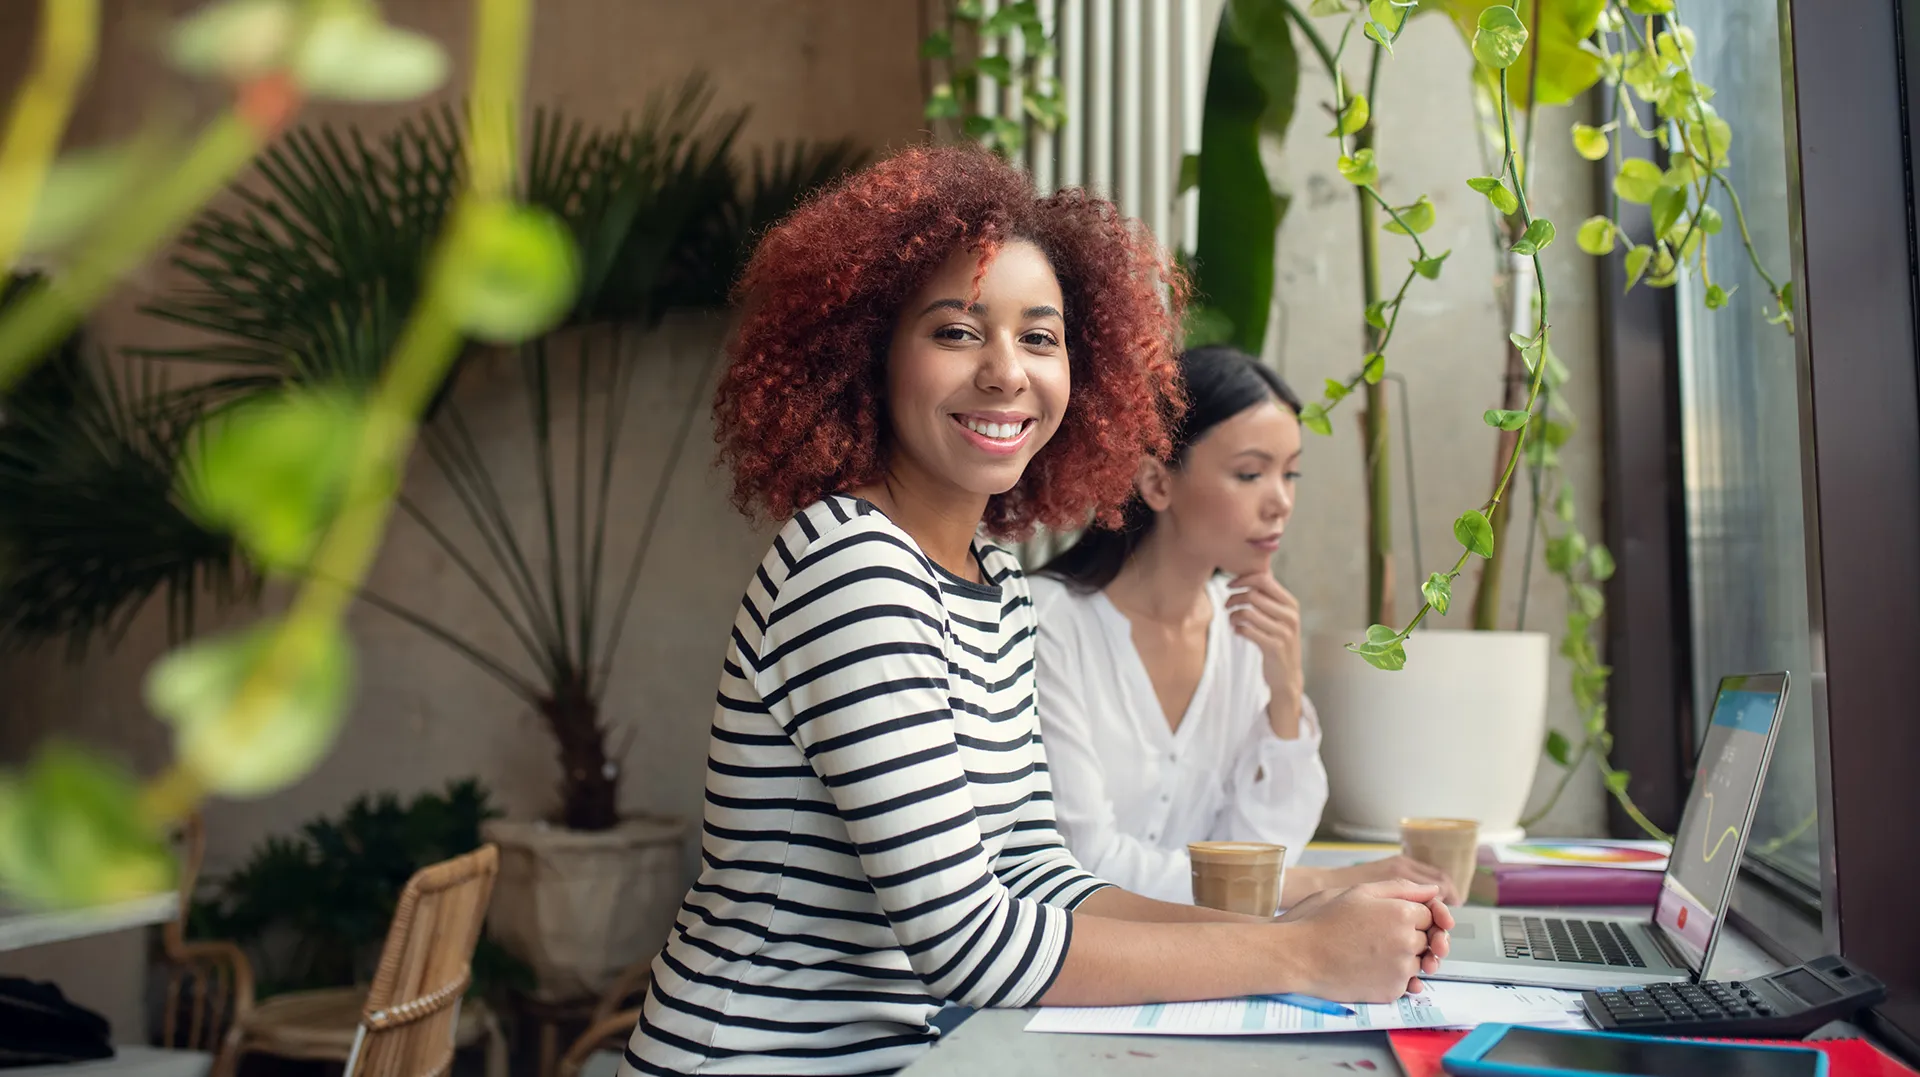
x,y
1000,367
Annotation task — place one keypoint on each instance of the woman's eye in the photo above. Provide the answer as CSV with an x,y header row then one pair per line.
x,y
1292,476
953,332
1248,476
1040,339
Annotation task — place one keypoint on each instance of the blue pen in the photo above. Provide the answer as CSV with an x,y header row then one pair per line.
x,y
1317,1005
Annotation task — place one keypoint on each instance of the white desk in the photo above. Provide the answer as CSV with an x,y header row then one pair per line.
x,y
994,1042
19,929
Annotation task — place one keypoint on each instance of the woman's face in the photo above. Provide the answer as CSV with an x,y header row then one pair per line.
x,y
976,388
1229,500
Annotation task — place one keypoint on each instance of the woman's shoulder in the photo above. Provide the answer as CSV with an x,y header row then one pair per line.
x,y
838,534
1054,598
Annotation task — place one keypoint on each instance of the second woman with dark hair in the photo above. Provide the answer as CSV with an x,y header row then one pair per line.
x,y
1168,656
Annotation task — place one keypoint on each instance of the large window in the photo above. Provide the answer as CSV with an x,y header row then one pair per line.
x,y
1741,432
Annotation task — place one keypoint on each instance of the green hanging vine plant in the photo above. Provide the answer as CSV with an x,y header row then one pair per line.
x,y
1637,60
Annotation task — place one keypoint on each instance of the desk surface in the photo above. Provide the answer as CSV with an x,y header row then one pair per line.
x,y
994,1042
19,930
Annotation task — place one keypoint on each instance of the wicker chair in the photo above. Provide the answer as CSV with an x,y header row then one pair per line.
x,y
405,1025
613,1019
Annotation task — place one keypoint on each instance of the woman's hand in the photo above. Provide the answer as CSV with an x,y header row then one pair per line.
x,y
1370,943
1269,615
1393,867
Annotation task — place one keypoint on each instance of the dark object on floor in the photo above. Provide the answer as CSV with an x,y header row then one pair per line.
x,y
39,1026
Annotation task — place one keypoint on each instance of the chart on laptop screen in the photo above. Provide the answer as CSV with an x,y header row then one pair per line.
x,y
1706,851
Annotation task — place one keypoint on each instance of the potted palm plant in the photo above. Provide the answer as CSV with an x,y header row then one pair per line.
x,y
305,280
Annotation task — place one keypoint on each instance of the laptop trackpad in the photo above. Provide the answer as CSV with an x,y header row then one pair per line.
x,y
1462,930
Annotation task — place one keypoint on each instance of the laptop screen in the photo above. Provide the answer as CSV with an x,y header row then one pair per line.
x,y
1713,828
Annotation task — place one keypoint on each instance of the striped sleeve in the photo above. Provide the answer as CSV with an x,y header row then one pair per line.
x,y
854,667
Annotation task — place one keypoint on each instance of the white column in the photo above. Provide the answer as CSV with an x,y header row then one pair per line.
x,y
1100,101
1041,148
1162,154
1073,85
1129,84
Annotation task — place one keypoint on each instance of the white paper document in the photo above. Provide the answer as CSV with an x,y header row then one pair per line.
x,y
1441,1005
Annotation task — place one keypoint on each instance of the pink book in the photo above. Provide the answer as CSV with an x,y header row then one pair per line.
x,y
1495,883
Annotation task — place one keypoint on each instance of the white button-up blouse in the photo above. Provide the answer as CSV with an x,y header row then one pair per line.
x,y
1129,792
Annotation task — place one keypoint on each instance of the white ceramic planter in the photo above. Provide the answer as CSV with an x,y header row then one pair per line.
x,y
1456,733
580,907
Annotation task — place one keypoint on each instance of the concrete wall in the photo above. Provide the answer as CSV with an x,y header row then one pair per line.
x,y
816,68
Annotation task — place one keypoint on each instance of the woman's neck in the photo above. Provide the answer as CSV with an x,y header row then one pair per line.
x,y
1162,583
943,523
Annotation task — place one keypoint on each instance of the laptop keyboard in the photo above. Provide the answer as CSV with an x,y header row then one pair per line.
x,y
1579,942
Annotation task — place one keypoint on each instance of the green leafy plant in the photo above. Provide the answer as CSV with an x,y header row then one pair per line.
x,y
1569,41
102,212
1004,49
307,284
312,908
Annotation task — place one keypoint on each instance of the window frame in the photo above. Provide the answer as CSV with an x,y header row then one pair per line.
x,y
1849,160
1848,103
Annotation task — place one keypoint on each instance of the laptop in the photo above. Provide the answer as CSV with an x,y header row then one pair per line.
x,y
1540,949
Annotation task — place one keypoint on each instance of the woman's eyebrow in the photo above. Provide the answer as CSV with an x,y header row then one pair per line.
x,y
1045,310
960,305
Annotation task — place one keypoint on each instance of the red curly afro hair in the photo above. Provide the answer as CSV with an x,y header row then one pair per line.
x,y
799,410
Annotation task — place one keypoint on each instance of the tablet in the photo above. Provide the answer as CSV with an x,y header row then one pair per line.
x,y
1508,1051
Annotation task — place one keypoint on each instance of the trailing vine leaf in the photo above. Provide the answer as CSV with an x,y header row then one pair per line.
x,y
1668,206
1636,265
194,689
1536,238
1383,648
1638,180
1430,267
1499,37
1374,368
1314,418
1352,118
1496,191
1474,532
1600,562
1568,66
1558,748
1505,419
1413,219
1438,592
1590,142
72,834
1595,235
1359,168
1336,390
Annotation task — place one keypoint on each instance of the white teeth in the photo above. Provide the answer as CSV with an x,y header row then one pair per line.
x,y
997,431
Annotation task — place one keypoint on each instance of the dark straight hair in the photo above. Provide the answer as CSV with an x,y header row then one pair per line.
x,y
1219,383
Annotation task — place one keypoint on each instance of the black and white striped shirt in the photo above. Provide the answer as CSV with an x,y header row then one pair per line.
x,y
879,828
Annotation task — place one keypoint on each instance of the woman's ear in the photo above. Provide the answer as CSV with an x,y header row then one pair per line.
x,y
1154,480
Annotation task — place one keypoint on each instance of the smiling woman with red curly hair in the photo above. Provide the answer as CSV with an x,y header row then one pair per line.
x,y
800,408
927,353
